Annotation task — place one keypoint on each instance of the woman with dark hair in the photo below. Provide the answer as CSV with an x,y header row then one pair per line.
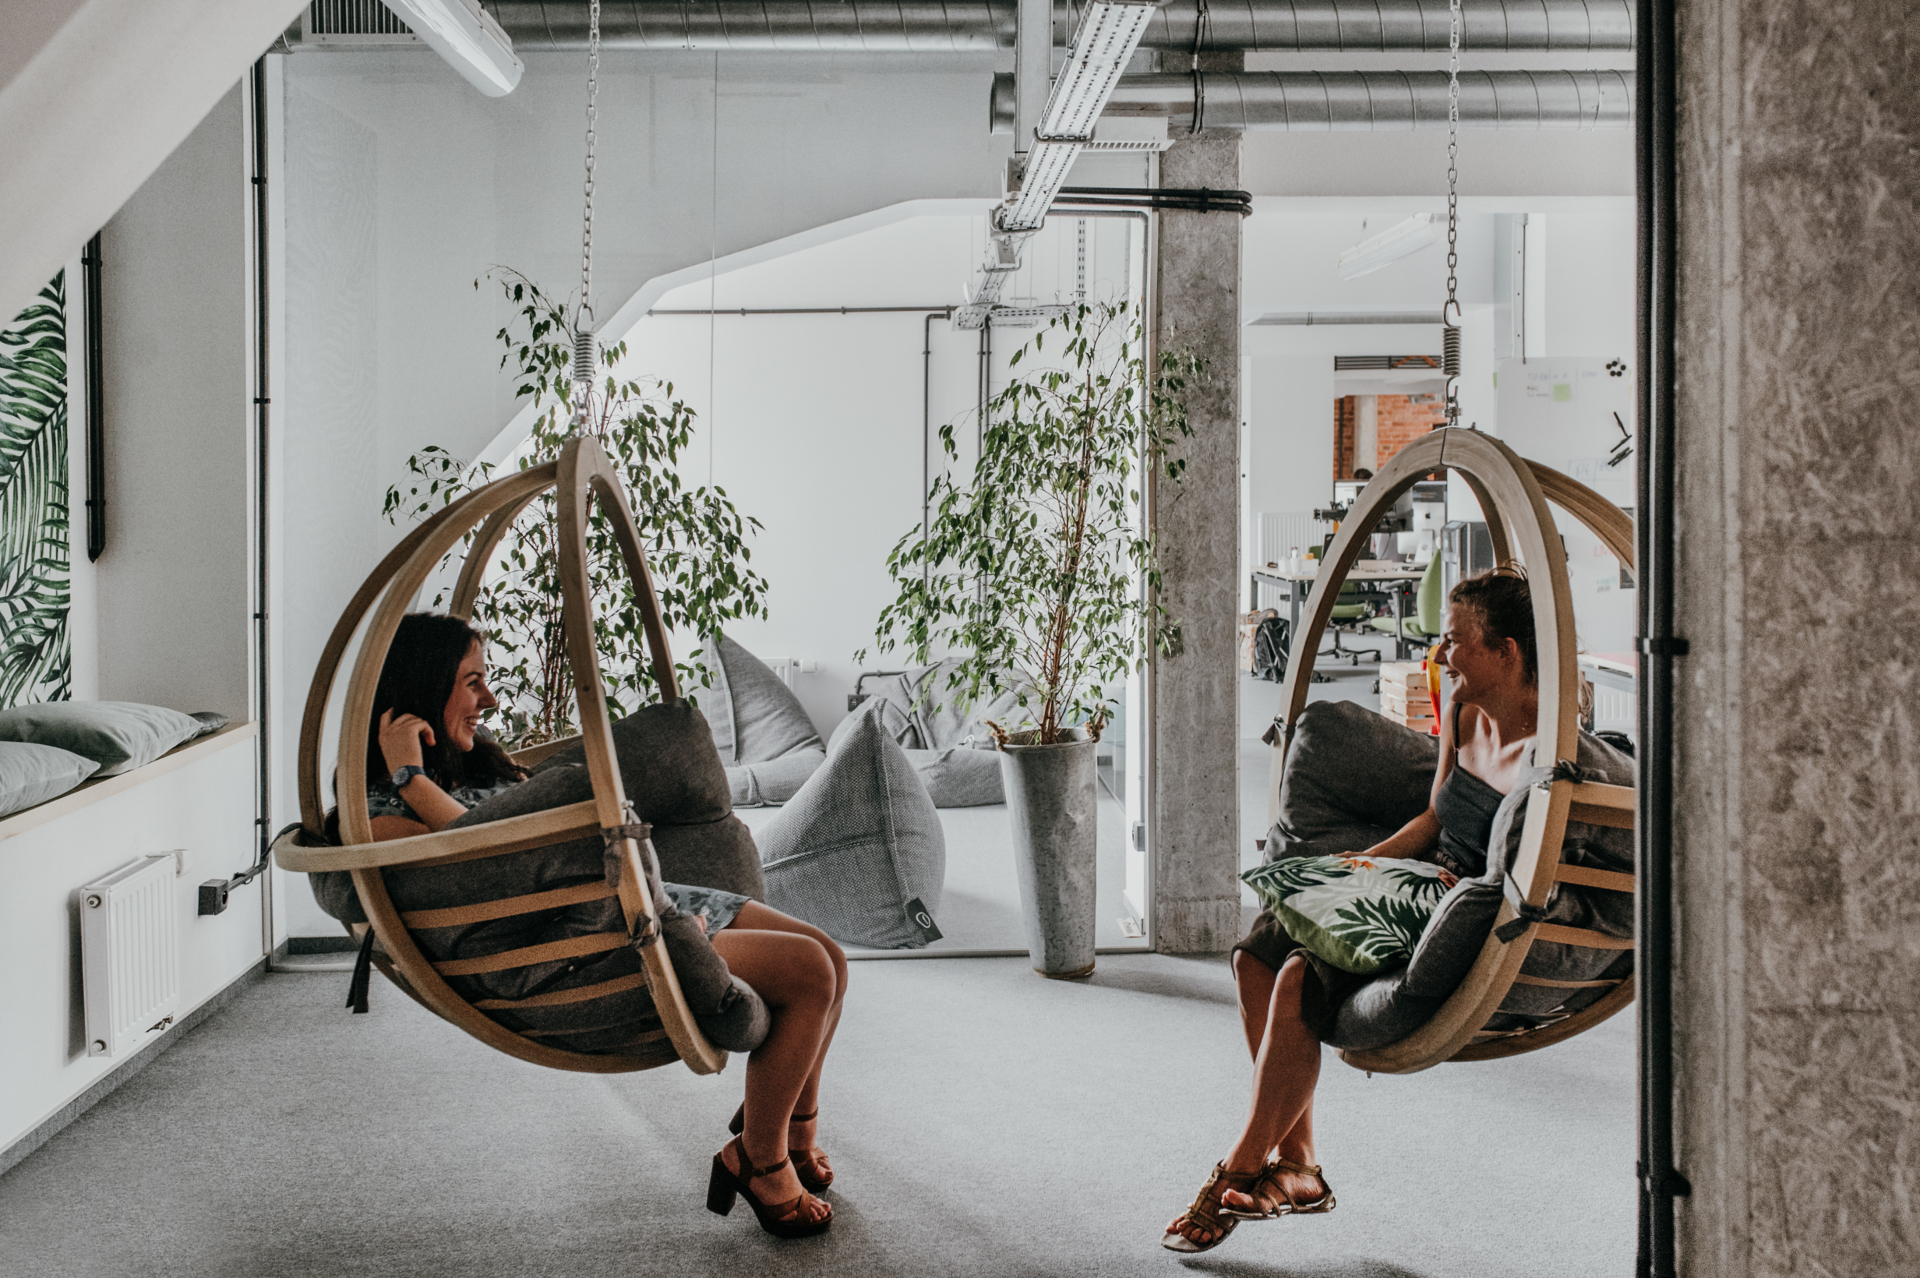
x,y
1288,996
429,760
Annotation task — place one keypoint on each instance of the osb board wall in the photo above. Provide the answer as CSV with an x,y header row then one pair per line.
x,y
1798,582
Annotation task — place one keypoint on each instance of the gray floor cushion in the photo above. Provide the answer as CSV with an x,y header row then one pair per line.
x,y
952,749
764,735
859,851
1353,778
956,776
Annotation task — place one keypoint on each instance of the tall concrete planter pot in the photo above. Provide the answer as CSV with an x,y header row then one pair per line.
x,y
1050,797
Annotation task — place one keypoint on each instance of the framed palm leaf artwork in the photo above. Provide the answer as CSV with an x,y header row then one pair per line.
x,y
34,574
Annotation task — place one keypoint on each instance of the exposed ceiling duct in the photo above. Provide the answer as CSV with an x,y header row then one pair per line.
x,y
1361,101
943,26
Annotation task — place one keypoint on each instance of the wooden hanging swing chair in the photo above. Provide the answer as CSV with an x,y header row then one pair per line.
x,y
580,474
1514,494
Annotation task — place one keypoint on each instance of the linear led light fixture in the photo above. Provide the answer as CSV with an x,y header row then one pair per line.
x,y
1397,241
1109,32
468,38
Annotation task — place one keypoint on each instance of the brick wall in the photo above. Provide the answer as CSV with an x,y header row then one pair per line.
x,y
1400,420
1345,412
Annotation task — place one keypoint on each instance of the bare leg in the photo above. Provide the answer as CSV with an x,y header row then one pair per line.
x,y
1285,1071
1286,1066
757,917
796,978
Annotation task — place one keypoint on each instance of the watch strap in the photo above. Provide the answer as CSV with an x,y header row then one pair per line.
x,y
405,773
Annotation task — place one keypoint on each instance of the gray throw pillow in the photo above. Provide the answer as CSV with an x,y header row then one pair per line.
x,y
31,774
118,735
860,845
764,735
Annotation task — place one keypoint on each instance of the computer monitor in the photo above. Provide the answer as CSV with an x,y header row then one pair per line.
x,y
1347,491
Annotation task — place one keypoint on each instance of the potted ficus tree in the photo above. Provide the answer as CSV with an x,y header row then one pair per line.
x,y
696,541
1037,573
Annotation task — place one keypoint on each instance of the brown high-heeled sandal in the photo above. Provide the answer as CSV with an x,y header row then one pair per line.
x,y
1207,1210
1267,1188
810,1165
782,1220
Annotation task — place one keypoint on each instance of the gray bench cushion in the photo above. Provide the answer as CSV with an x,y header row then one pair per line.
x,y
764,735
858,842
1352,778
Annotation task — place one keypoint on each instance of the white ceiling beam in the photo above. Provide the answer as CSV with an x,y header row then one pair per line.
x,y
94,94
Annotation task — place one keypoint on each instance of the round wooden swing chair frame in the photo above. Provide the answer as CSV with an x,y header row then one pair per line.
x,y
580,475
1514,494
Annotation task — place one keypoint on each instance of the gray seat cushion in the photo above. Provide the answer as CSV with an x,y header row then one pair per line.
x,y
764,735
859,843
674,781
1353,778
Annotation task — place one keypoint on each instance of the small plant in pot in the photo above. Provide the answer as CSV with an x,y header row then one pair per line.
x,y
1037,573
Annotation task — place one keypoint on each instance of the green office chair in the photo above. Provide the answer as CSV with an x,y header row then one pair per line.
x,y
1423,627
1348,617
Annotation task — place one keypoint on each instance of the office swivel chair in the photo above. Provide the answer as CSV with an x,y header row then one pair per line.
x,y
1423,627
1348,617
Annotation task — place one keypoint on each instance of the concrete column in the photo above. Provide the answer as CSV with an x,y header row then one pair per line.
x,y
1196,699
1797,756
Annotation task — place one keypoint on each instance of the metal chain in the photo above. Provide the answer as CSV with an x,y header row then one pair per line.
x,y
1450,314
593,113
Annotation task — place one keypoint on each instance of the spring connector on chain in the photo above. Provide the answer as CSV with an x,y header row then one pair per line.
x,y
1450,366
585,372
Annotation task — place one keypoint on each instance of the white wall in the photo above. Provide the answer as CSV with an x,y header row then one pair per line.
x,y
816,426
1290,436
173,590
43,1060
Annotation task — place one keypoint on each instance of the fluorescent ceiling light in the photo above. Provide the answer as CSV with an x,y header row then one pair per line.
x,y
1308,318
468,38
1109,32
1392,244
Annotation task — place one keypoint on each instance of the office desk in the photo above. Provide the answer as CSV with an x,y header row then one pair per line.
x,y
1298,585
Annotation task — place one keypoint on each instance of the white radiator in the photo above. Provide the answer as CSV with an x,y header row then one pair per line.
x,y
1281,531
130,954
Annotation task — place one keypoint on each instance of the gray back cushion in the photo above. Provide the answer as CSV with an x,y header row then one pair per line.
x,y
1353,777
118,735
858,843
764,735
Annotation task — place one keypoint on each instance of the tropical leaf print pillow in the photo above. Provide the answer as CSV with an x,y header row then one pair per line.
x,y
1360,915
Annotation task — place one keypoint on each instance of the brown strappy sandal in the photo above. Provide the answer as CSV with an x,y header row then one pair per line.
x,y
1266,1188
782,1220
1208,1212
810,1165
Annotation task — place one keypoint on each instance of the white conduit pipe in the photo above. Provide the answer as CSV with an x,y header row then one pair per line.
x,y
1370,101
944,26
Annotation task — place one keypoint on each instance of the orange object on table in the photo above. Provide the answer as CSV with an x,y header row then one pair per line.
x,y
1433,685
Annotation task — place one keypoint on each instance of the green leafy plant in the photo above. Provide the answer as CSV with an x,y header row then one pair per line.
x,y
34,574
695,540
1036,571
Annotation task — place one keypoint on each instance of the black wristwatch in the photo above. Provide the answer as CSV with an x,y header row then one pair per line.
x,y
406,773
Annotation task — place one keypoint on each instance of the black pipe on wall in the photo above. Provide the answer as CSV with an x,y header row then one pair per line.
x,y
1655,89
96,406
262,404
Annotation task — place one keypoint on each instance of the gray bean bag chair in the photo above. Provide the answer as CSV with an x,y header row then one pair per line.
x,y
764,735
859,852
675,782
952,750
1352,778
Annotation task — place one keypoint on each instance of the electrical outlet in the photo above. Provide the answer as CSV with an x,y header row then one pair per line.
x,y
213,896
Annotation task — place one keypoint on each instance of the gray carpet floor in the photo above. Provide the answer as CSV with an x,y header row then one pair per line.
x,y
983,1122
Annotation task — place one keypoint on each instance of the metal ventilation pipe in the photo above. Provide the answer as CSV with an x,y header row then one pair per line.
x,y
942,26
1363,101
